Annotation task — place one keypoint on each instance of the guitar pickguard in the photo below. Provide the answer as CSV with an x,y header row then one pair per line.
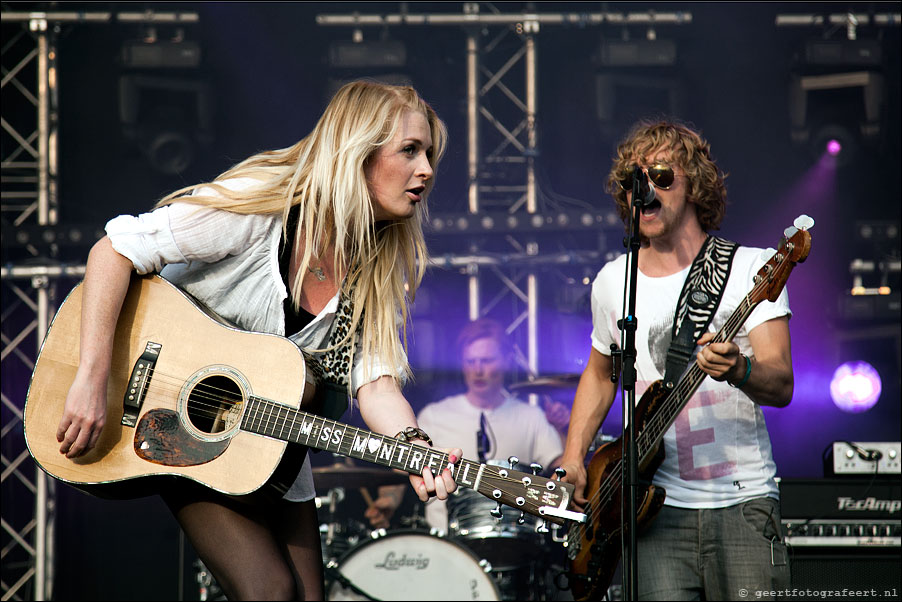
x,y
161,439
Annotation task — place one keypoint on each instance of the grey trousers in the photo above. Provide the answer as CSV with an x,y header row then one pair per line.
x,y
733,553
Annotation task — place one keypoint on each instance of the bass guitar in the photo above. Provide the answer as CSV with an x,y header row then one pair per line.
x,y
594,547
190,396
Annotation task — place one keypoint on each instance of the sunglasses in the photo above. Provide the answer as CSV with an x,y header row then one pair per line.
x,y
660,174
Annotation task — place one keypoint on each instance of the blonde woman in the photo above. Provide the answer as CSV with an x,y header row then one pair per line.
x,y
320,242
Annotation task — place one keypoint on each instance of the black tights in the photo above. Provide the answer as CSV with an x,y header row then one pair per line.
x,y
256,552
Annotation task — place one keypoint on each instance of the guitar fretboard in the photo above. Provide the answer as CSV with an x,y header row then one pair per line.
x,y
272,419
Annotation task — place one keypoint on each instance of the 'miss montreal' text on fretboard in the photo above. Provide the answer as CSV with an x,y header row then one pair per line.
x,y
288,424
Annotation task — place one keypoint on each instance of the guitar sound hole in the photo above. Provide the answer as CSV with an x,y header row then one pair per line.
x,y
214,405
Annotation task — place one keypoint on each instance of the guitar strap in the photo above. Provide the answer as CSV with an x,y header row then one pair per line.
x,y
701,294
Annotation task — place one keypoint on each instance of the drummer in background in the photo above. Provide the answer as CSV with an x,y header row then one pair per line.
x,y
487,421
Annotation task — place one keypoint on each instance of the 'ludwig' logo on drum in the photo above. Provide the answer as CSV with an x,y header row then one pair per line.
x,y
393,563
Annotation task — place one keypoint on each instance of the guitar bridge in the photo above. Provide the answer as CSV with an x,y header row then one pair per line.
x,y
138,383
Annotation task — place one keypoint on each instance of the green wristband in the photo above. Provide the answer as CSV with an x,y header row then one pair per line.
x,y
748,373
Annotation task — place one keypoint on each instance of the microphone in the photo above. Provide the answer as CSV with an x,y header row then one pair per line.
x,y
645,194
482,439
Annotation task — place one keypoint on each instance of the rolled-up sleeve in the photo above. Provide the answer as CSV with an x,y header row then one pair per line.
x,y
182,233
146,240
364,372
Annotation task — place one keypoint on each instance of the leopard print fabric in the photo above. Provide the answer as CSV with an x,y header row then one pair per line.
x,y
335,365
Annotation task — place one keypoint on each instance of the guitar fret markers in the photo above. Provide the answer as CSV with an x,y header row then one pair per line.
x,y
287,424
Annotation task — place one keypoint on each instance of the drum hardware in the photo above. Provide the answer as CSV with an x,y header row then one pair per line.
x,y
556,385
336,536
207,587
343,474
333,573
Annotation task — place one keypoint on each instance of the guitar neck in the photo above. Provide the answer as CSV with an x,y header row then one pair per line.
x,y
529,493
272,419
688,384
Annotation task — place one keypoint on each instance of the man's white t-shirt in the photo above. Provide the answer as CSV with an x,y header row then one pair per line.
x,y
718,452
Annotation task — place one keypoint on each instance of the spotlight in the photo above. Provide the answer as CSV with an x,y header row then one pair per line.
x,y
836,141
855,387
833,147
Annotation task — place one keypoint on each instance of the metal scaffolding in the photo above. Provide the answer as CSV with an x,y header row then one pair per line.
x,y
29,204
503,141
29,194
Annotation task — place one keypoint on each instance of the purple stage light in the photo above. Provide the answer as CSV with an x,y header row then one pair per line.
x,y
855,387
833,147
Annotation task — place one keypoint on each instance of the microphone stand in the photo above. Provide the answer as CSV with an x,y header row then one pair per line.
x,y
628,326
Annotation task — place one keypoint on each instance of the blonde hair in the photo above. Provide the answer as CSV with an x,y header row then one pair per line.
x,y
691,152
323,174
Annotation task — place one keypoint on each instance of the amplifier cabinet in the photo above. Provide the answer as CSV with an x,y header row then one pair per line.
x,y
844,537
836,573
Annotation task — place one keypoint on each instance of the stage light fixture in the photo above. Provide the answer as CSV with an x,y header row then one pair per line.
x,y
834,147
383,60
165,104
838,93
855,387
835,141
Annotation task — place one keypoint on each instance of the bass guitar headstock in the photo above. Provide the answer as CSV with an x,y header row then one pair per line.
x,y
794,248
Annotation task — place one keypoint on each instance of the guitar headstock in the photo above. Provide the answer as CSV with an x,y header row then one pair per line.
x,y
530,493
794,248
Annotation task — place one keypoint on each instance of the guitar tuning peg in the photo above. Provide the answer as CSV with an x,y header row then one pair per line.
x,y
536,467
522,518
560,472
513,460
496,511
803,222
543,528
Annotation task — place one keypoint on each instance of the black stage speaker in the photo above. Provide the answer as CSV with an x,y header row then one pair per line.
x,y
833,573
844,537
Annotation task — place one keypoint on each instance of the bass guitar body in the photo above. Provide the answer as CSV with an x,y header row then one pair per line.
x,y
597,544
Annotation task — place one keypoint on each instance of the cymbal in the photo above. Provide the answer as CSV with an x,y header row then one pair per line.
x,y
548,385
350,476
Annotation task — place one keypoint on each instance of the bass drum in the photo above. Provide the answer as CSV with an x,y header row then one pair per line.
x,y
409,565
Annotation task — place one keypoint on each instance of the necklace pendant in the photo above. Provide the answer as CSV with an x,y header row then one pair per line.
x,y
319,273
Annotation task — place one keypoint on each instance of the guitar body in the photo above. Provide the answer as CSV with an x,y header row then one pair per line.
x,y
180,429
592,567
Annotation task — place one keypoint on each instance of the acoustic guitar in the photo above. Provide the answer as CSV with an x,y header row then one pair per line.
x,y
594,548
191,397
